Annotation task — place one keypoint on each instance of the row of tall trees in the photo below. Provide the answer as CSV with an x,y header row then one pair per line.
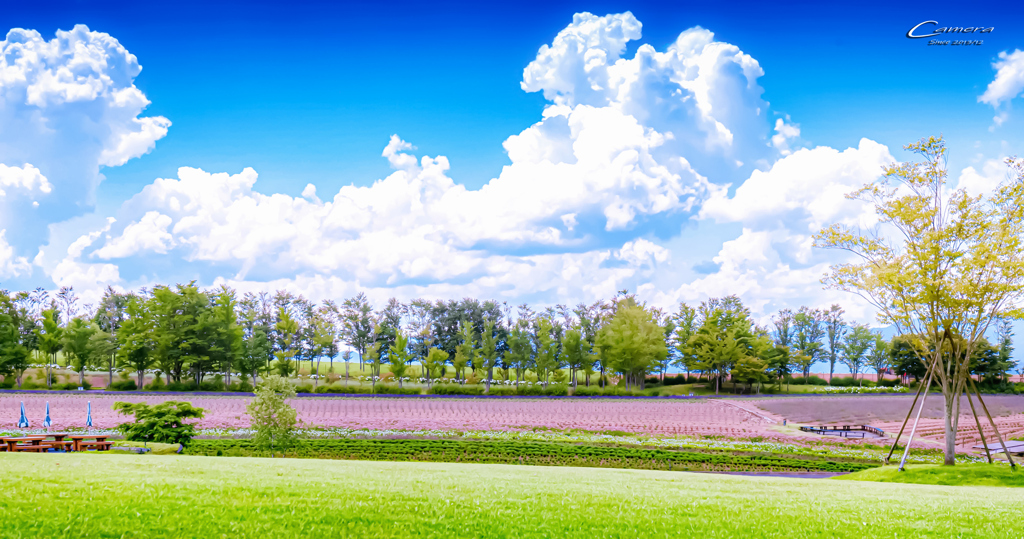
x,y
187,334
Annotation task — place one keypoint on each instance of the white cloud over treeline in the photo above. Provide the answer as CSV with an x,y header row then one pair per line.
x,y
629,158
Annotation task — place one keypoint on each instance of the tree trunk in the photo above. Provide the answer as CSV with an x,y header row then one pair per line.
x,y
110,379
949,452
142,373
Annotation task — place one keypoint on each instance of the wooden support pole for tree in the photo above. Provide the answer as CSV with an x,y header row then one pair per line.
x,y
978,423
993,423
904,426
910,439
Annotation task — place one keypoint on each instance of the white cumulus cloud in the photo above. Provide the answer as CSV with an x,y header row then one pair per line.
x,y
601,194
25,178
68,107
1009,81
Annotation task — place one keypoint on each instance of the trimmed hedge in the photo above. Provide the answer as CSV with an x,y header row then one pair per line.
x,y
535,453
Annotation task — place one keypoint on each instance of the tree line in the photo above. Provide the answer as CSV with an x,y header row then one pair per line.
x,y
188,334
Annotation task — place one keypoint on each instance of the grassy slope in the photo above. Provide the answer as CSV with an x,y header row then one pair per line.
x,y
931,474
176,496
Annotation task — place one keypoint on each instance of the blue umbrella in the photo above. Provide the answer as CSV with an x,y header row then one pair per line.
x,y
46,422
88,417
23,422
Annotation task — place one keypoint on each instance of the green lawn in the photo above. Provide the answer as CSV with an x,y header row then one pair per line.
x,y
986,475
180,496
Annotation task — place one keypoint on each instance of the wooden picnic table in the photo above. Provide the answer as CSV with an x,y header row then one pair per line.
x,y
31,443
80,441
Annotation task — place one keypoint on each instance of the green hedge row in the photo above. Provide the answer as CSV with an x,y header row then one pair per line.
x,y
535,453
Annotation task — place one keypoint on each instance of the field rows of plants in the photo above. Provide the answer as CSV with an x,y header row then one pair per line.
x,y
666,417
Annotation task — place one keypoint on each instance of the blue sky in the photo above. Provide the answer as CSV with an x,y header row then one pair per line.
x,y
682,150
307,92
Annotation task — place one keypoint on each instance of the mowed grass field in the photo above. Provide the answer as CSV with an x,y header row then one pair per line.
x,y
76,495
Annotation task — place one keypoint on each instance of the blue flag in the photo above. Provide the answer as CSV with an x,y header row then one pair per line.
x,y
88,417
46,422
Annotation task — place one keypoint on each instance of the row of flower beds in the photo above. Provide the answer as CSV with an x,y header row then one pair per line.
x,y
537,453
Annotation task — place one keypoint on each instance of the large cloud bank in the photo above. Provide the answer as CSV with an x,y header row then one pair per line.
x,y
68,106
665,172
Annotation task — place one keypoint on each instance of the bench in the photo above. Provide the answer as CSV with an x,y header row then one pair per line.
x,y
31,447
102,446
64,445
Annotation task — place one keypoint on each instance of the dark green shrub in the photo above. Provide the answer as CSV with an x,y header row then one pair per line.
x,y
163,423
241,386
212,385
73,386
810,381
502,391
843,381
156,385
889,383
181,386
123,385
8,382
343,389
531,391
456,389
304,388
556,390
384,389
584,391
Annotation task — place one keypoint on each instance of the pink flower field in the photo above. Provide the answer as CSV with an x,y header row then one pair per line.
x,y
638,416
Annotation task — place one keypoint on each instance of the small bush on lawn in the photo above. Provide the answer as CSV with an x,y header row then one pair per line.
x,y
164,423
304,388
502,391
8,382
156,385
889,383
181,386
